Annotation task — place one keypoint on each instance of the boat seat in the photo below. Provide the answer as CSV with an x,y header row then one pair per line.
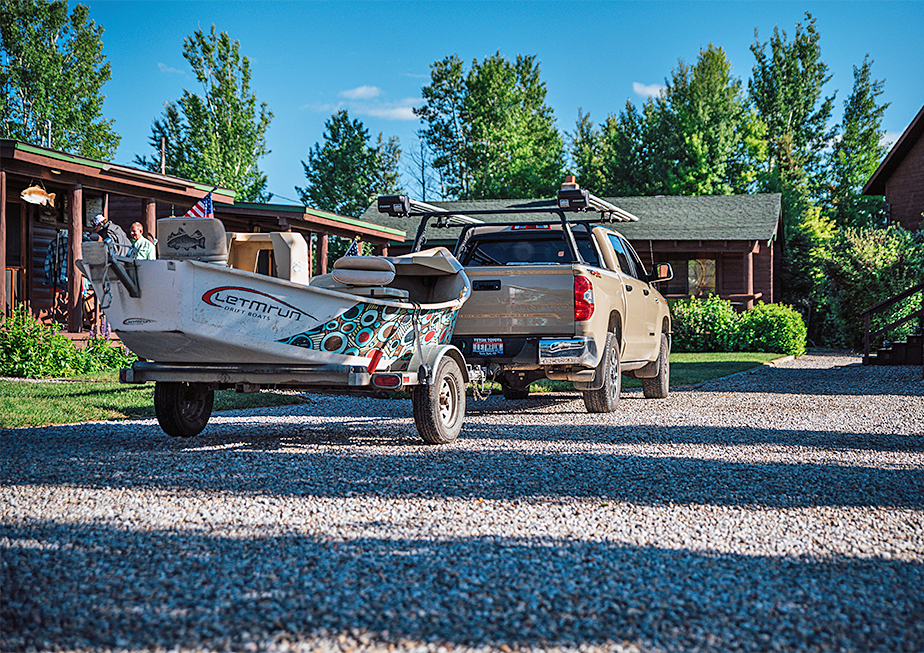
x,y
363,271
367,276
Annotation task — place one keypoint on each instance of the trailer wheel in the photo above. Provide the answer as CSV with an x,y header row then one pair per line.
x,y
439,408
182,409
659,386
606,398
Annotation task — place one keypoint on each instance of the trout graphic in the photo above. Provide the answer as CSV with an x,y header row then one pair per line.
x,y
183,240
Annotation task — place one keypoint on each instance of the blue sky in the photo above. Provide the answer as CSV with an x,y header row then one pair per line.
x,y
311,58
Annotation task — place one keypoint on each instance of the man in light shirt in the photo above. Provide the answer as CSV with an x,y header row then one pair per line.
x,y
142,248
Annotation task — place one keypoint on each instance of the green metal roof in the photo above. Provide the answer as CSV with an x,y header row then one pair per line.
x,y
706,217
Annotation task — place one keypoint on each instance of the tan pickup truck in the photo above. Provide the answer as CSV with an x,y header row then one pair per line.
x,y
565,300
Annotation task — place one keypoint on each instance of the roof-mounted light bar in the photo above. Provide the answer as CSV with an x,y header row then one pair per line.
x,y
580,199
397,206
400,206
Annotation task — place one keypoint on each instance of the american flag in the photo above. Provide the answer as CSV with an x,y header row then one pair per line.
x,y
202,209
353,249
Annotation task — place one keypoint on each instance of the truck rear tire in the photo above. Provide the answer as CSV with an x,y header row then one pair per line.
x,y
182,409
606,398
659,386
439,408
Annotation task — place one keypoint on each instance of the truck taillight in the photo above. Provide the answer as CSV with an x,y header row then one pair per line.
x,y
583,299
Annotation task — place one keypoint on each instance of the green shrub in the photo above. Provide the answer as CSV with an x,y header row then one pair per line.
x,y
772,328
711,324
31,349
100,354
866,266
704,325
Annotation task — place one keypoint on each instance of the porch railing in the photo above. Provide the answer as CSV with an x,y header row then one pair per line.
x,y
869,337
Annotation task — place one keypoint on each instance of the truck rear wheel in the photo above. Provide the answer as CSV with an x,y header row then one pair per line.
x,y
659,386
439,408
606,398
182,409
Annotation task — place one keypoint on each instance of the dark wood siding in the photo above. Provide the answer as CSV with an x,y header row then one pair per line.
x,y
905,189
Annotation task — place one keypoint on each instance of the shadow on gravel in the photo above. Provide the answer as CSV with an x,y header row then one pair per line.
x,y
119,589
250,465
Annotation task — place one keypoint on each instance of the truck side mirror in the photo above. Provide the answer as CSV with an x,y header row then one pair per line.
x,y
662,272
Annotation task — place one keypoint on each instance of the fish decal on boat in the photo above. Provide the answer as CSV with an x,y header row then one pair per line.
x,y
37,195
185,241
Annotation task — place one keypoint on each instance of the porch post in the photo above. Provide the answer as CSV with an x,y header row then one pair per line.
x,y
322,254
150,216
75,251
749,277
3,297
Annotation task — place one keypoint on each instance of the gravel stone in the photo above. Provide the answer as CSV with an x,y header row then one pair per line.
x,y
781,509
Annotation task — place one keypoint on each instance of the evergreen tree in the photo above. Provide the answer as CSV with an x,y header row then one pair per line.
x,y
490,130
858,152
218,137
346,173
706,128
446,132
52,71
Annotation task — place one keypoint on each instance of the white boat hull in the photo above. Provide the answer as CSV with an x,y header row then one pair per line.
x,y
188,311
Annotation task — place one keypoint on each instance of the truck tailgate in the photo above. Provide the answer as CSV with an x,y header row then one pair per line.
x,y
518,300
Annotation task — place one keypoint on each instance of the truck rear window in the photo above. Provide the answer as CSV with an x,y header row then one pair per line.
x,y
549,249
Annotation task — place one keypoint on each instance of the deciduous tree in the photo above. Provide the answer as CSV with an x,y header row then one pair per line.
x,y
220,136
52,71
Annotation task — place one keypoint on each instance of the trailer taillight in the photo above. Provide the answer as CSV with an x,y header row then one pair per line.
x,y
583,299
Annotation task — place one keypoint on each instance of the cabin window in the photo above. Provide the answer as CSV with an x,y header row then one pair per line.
x,y
692,277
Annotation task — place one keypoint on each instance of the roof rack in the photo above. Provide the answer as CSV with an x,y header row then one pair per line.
x,y
580,199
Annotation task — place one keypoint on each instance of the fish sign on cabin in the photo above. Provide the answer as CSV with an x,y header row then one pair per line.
x,y
38,195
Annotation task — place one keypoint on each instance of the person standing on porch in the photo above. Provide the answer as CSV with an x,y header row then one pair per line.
x,y
142,248
111,233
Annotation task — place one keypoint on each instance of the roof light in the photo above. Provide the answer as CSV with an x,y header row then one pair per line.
x,y
394,205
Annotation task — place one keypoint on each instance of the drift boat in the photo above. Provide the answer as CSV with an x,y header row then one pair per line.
x,y
203,318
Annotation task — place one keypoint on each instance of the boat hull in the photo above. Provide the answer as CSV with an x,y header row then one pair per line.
x,y
188,311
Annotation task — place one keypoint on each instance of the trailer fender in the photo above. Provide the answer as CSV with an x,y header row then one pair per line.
x,y
429,357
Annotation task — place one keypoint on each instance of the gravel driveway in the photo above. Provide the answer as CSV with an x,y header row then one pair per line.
x,y
779,509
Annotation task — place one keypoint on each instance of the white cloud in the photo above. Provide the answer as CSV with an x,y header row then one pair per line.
x,y
390,112
647,90
361,93
889,139
164,68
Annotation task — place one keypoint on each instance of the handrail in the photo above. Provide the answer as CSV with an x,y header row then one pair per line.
x,y
880,307
885,304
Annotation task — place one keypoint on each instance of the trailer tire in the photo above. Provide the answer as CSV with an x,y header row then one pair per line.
x,y
606,398
439,408
659,386
182,409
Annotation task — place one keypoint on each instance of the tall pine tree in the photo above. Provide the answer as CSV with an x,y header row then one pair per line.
x,y
858,151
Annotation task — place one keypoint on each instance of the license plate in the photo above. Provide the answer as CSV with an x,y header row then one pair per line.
x,y
487,346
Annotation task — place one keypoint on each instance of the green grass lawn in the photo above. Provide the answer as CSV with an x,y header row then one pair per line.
x,y
27,403
102,397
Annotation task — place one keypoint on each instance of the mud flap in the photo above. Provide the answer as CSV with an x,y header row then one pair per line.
x,y
599,375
